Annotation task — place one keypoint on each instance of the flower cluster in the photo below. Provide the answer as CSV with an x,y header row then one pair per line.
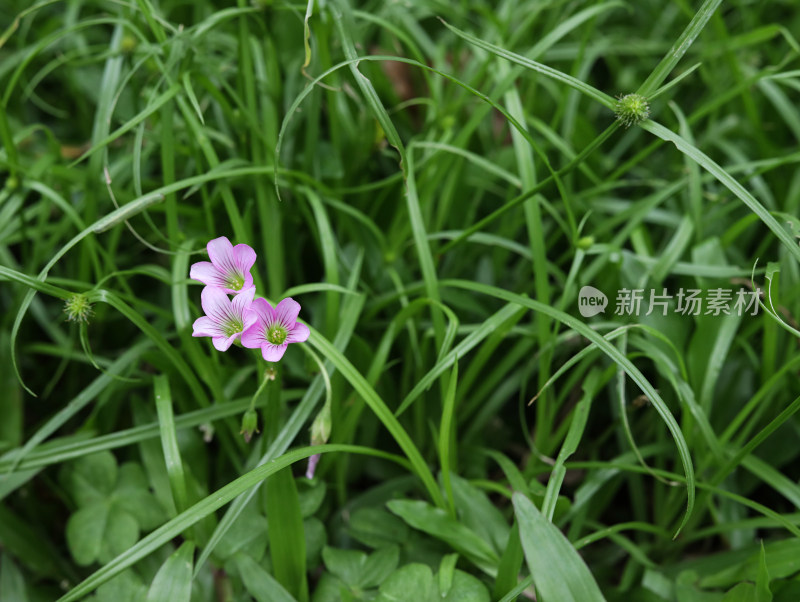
x,y
253,322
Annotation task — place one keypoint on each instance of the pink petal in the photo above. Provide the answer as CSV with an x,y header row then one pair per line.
x,y
220,251
273,353
264,311
244,257
253,336
206,327
241,302
287,311
298,334
223,343
215,304
205,272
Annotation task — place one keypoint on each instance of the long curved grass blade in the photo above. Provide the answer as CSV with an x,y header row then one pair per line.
x,y
614,354
726,180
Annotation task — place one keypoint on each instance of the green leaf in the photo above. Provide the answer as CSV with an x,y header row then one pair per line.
x,y
207,506
416,582
558,571
121,532
311,495
411,582
12,582
744,592
286,537
125,587
85,530
345,564
763,593
465,588
173,582
357,570
249,533
439,524
376,527
132,494
259,583
92,478
477,512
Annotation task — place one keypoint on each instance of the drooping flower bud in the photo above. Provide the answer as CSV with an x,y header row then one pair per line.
x,y
320,433
249,425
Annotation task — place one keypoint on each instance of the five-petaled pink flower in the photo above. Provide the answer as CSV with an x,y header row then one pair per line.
x,y
274,329
229,269
225,319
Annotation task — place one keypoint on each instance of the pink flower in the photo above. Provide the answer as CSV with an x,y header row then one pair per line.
x,y
229,268
225,319
274,329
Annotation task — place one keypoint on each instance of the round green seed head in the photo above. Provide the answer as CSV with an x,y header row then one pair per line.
x,y
632,109
78,308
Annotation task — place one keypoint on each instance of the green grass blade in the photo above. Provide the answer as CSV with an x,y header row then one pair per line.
x,y
286,536
726,180
169,442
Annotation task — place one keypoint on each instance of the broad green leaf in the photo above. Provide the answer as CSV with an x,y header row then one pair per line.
x,y
744,592
782,559
249,533
558,571
91,478
358,570
311,495
125,587
121,532
477,512
416,582
85,532
173,582
259,583
411,582
439,524
376,527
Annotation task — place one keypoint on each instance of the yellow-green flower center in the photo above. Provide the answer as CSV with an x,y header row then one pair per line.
x,y
232,326
277,334
235,282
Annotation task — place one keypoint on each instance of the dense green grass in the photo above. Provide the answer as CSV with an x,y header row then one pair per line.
x,y
434,182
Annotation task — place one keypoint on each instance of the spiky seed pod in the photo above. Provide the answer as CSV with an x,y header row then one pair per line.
x,y
78,308
632,109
